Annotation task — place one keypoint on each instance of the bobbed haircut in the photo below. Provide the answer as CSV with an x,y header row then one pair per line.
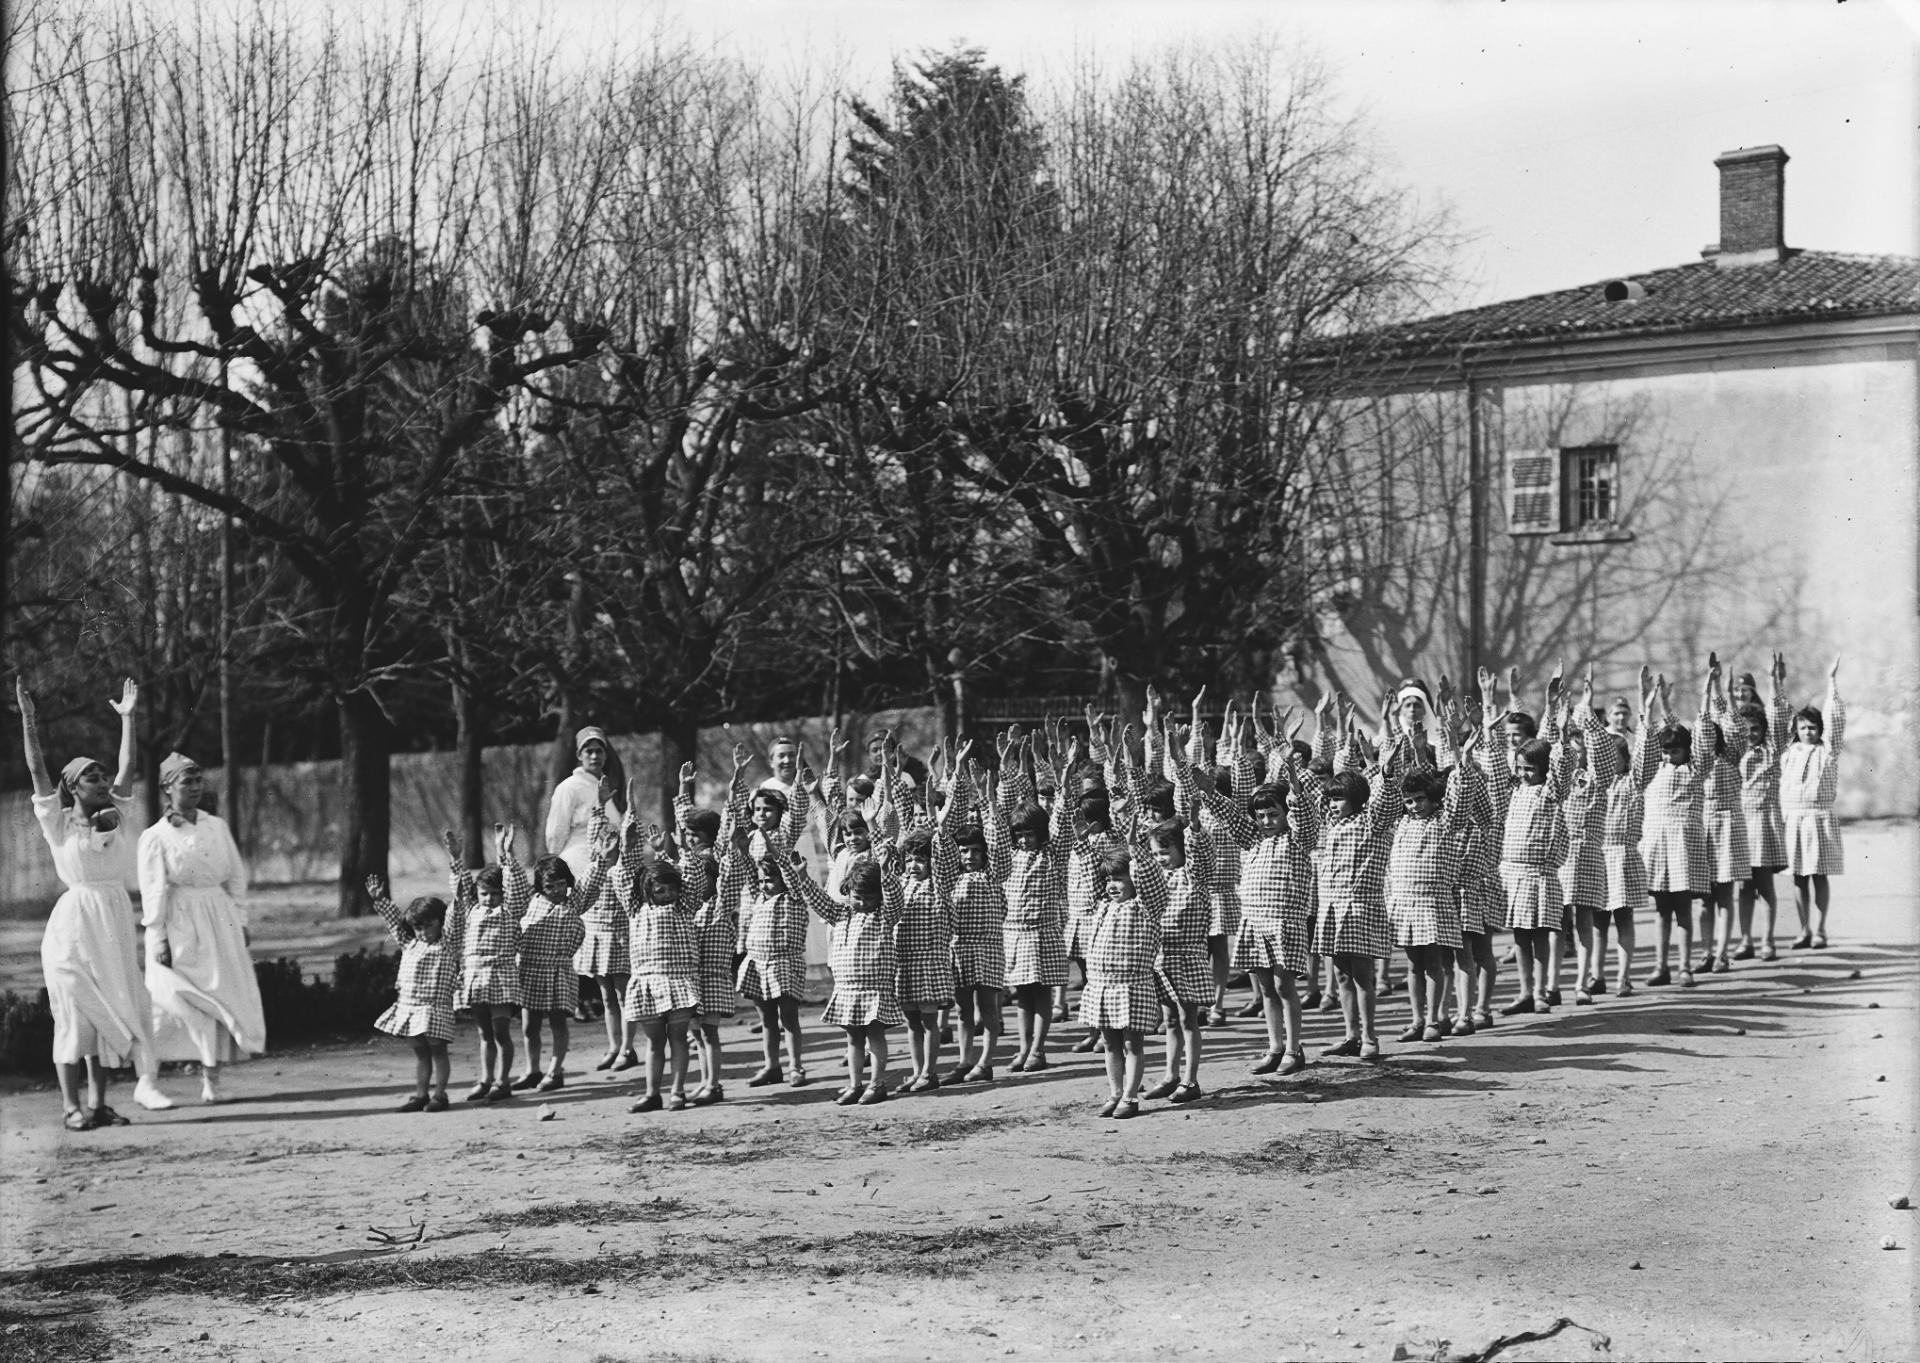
x,y
1811,714
490,878
862,880
1173,831
970,834
1350,786
1424,781
855,822
1302,751
1158,796
705,822
1536,752
1096,809
1267,797
1524,722
1030,818
918,843
665,876
549,866
774,798
1116,861
428,908
1675,738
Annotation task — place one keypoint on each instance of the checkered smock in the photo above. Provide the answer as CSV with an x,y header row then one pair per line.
x,y
665,945
1276,880
1083,875
865,966
1123,940
489,949
773,932
1482,902
1223,890
1726,822
1533,847
1423,867
923,941
1583,875
1760,792
550,934
1184,968
1035,935
1809,781
429,975
1351,872
1674,841
1620,844
980,911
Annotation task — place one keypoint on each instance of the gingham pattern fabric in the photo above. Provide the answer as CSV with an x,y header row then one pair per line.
x,y
1035,936
1223,920
1760,792
650,994
980,914
717,932
489,949
1583,875
1276,883
923,941
773,933
1533,847
1083,875
1626,869
862,958
1726,821
1423,868
1184,967
1674,838
429,976
1122,944
1809,781
603,939
549,936
1483,905
1351,872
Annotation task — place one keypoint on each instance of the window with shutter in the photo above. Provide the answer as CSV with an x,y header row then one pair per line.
x,y
1533,492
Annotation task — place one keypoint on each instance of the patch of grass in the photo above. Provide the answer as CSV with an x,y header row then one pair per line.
x,y
956,1128
29,1338
696,1145
586,1214
1310,1152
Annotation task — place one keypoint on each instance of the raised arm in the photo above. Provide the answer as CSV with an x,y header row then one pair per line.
x,y
389,911
129,755
1835,712
30,741
514,882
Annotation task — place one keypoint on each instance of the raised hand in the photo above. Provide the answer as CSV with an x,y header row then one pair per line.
x,y
1646,685
503,836
1779,669
1833,673
686,777
1586,688
129,697
455,845
377,886
1446,691
742,758
24,699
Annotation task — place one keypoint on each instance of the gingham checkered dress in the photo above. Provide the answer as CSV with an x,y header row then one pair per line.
x,y
603,941
1423,868
923,941
1726,822
429,976
1760,793
1351,873
1184,968
1620,848
1809,783
865,966
1674,841
1122,942
665,945
489,949
1223,890
1533,847
1482,904
550,934
1035,935
716,930
1083,878
773,933
1276,883
980,914
1583,875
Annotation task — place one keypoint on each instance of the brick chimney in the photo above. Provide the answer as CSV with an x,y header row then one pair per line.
x,y
1752,207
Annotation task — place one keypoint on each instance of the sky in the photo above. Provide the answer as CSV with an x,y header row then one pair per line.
x,y
1572,140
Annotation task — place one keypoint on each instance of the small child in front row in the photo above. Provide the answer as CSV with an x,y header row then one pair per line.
x,y
979,925
772,944
489,967
663,992
429,935
865,968
1423,876
1121,933
716,929
923,944
551,932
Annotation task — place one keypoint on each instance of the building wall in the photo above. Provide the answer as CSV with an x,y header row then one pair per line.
x,y
1768,507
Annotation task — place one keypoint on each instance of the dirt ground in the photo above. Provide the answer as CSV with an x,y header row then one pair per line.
x,y
1684,1174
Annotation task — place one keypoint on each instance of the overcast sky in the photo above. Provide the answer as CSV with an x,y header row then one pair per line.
x,y
1573,139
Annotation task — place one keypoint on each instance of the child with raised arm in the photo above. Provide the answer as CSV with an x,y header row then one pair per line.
x,y
1483,902
1090,804
865,969
1276,887
551,934
1423,874
1533,847
1594,759
489,967
1036,890
1626,870
923,939
773,921
980,850
1121,1001
429,935
716,928
1725,819
1809,784
1183,966
1675,835
1767,737
602,954
664,991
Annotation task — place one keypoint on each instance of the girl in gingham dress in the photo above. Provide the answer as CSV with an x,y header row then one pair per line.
x,y
429,935
979,921
1679,869
602,955
1767,736
1183,969
1276,888
1423,877
1036,890
1120,1002
1583,876
663,992
716,928
1726,822
550,934
1090,801
865,969
773,922
923,944
1533,845
1809,783
1482,904
489,968
1626,871
1350,872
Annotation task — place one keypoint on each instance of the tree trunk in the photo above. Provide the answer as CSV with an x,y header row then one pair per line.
x,y
366,750
470,738
679,742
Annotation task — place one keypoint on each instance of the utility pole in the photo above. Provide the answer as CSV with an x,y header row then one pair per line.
x,y
229,746
1477,463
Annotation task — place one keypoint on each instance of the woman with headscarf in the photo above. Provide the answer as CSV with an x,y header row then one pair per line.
x,y
206,1000
102,1018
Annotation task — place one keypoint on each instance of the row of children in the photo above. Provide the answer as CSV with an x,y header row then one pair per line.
x,y
1158,866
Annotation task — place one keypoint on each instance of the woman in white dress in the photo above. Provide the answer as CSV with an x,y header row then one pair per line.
x,y
102,1017
206,1000
597,784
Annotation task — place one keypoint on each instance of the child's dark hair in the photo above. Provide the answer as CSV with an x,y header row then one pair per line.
x,y
1259,767
703,821
918,843
551,865
1267,797
1222,778
1350,786
1675,738
773,798
665,876
1524,722
1030,819
1425,781
1116,861
861,786
1095,809
1811,714
1322,767
862,880
1536,752
1157,795
853,821
970,834
490,878
1716,739
1620,753
1171,831
424,910
1302,751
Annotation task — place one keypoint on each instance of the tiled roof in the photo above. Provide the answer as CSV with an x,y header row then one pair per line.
x,y
1807,285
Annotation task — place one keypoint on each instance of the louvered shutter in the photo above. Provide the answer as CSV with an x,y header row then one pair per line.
x,y
1533,492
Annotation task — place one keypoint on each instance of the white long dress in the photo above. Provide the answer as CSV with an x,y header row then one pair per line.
x,y
603,948
206,1005
89,955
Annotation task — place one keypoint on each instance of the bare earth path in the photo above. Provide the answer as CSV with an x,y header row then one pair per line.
x,y
1688,1174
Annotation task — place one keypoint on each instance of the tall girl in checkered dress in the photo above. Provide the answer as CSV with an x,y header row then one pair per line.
x,y
1533,845
429,935
1679,868
663,993
1726,822
1583,875
1120,1002
923,942
1809,783
979,848
1423,874
1183,967
489,968
865,1001
1767,738
1036,889
602,955
1350,871
754,890
1482,898
1626,870
551,934
1091,805
717,928
1276,887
